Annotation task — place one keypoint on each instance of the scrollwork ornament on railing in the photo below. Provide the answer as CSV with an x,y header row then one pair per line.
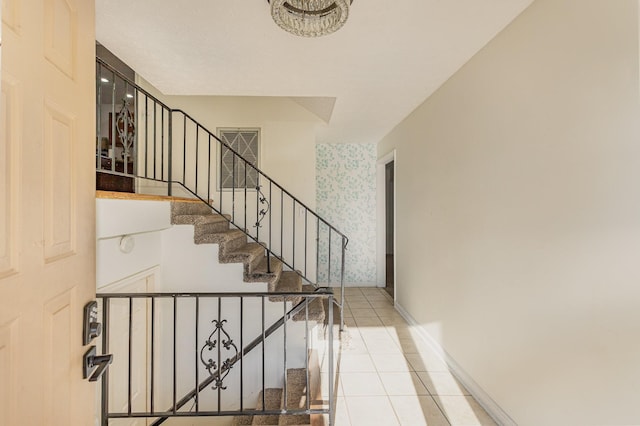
x,y
126,127
218,371
263,211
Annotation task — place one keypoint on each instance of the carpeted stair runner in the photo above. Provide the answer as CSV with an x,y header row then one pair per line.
x,y
212,228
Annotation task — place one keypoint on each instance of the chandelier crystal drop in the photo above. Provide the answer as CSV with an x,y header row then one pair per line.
x,y
310,18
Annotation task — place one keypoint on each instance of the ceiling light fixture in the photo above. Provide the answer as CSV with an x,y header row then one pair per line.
x,y
310,18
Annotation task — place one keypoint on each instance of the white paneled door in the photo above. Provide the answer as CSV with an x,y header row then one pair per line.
x,y
47,210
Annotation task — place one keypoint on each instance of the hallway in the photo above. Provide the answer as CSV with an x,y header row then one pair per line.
x,y
388,376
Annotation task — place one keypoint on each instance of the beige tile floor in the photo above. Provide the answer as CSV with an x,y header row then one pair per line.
x,y
389,376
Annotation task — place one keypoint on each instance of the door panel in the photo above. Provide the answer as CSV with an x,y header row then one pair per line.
x,y
9,148
119,311
47,210
8,383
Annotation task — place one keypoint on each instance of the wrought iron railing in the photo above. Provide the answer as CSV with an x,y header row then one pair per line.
x,y
156,149
196,354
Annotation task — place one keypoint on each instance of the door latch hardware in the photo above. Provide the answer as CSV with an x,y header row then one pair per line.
x,y
91,327
97,362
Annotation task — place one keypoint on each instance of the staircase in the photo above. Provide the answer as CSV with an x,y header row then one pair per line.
x,y
213,228
277,238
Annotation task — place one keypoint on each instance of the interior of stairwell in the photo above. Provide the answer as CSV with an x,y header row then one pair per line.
x,y
254,241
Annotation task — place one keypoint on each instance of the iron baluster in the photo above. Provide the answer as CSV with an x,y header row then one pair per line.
x,y
284,354
306,350
241,354
317,250
293,238
331,378
130,350
155,154
155,137
184,150
344,252
197,155
257,224
113,122
306,232
197,316
146,136
329,261
170,153
263,353
218,383
270,224
209,172
105,349
245,195
233,187
175,354
153,346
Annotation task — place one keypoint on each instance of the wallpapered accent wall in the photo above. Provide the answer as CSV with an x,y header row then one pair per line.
x,y
346,198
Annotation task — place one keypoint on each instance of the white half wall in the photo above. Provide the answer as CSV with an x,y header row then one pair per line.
x,y
518,215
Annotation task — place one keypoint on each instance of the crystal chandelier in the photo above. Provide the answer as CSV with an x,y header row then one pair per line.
x,y
310,18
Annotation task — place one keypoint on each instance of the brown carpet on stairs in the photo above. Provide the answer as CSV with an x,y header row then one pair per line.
x,y
211,228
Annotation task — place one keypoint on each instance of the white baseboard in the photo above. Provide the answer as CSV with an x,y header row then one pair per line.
x,y
490,406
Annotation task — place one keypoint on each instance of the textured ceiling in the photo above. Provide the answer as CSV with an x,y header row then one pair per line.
x,y
386,60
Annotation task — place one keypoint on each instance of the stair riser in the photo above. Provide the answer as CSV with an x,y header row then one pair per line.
x,y
234,243
210,228
253,265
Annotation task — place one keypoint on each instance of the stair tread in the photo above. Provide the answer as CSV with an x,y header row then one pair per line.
x,y
179,208
197,219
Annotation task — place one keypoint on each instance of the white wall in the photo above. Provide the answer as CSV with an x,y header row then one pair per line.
x,y
143,221
287,141
518,215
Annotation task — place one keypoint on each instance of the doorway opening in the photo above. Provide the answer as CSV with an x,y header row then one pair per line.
x,y
389,171
386,227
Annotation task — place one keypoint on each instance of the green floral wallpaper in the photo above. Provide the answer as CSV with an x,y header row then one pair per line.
x,y
346,198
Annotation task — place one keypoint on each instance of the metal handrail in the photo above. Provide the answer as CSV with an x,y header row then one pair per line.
x,y
297,201
248,348
107,299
